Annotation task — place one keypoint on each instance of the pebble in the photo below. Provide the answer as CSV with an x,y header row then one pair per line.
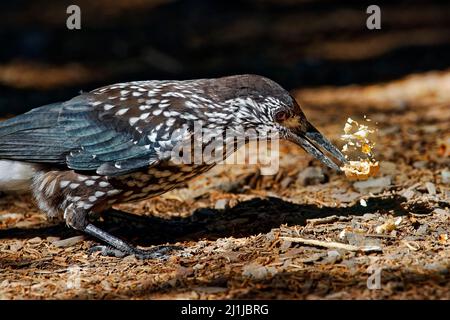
x,y
388,168
431,188
356,239
311,176
313,258
422,230
441,212
420,164
369,216
222,204
332,257
257,271
16,246
372,185
346,197
286,182
52,239
445,176
35,240
408,194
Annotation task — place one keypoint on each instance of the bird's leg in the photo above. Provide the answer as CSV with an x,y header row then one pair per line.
x,y
77,219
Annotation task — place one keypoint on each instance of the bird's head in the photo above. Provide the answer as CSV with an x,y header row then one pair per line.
x,y
262,104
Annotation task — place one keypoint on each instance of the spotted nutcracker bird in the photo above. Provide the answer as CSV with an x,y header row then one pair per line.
x,y
111,145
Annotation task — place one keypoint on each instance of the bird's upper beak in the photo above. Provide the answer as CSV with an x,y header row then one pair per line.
x,y
312,140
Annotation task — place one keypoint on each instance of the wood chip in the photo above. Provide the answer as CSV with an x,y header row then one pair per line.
x,y
68,242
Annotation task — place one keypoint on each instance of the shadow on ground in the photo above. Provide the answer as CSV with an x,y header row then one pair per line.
x,y
246,218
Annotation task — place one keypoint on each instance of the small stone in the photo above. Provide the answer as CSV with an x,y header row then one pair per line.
x,y
346,197
408,194
16,246
350,264
388,168
445,176
332,257
441,212
369,216
431,188
372,185
422,230
363,202
286,182
257,271
285,245
222,204
313,258
359,240
35,240
311,176
106,285
52,239
420,164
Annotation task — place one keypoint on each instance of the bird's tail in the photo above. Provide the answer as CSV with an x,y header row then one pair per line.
x,y
16,175
18,137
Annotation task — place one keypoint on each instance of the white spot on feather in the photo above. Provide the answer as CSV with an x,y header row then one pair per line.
x,y
133,120
64,183
122,111
89,182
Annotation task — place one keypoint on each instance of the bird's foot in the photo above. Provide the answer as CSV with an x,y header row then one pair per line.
x,y
159,252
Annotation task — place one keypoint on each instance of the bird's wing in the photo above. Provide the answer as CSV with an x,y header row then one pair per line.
x,y
88,134
32,136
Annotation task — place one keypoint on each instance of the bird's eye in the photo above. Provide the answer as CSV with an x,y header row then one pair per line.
x,y
281,116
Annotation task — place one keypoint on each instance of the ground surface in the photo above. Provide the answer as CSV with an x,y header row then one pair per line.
x,y
240,229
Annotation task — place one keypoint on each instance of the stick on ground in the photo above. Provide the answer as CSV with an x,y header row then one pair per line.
x,y
334,245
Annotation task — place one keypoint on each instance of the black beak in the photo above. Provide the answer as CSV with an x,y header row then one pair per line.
x,y
312,140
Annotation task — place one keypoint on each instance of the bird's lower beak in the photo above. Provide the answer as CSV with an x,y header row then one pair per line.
x,y
312,140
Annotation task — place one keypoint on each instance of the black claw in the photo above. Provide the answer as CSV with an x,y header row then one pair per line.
x,y
107,251
159,252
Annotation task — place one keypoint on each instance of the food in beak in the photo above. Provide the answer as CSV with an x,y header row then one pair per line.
x,y
312,141
360,170
358,139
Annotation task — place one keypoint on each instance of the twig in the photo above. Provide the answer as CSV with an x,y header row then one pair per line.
x,y
334,245
330,219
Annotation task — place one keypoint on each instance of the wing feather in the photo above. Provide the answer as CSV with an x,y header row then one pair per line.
x,y
85,135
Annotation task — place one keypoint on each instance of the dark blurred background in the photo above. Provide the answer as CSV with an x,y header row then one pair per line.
x,y
299,43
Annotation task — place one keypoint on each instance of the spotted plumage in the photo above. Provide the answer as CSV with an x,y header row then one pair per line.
x,y
116,144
